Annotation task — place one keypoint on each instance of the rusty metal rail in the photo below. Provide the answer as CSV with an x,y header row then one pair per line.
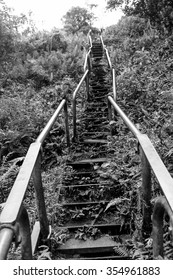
x,y
14,219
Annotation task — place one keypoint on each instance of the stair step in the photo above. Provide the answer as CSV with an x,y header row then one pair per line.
x,y
96,133
81,204
91,118
95,141
97,57
86,185
114,229
107,257
97,50
101,245
97,104
90,161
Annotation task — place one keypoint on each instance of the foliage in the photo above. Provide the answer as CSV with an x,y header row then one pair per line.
x,y
159,12
77,19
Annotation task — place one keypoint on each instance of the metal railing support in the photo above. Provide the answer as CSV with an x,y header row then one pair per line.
x,y
87,86
66,124
74,120
89,61
36,174
21,231
109,111
161,206
146,194
114,84
25,235
6,237
114,91
110,115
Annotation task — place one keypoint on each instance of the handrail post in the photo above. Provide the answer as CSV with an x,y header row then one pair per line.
x,y
87,86
110,115
114,84
114,91
146,194
89,62
109,111
36,174
66,124
74,119
24,233
161,206
6,237
21,231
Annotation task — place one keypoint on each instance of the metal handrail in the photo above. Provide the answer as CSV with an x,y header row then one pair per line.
x,y
51,122
31,167
130,125
80,83
150,160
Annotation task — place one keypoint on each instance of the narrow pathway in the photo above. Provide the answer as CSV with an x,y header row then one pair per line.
x,y
93,231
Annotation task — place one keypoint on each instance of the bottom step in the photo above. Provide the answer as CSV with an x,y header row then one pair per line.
x,y
101,248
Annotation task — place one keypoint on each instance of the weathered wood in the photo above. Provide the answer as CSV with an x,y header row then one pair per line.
x,y
102,245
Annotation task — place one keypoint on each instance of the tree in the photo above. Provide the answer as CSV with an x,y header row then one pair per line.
x,y
78,19
159,12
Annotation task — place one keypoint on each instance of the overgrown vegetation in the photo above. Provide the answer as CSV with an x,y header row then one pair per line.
x,y
38,68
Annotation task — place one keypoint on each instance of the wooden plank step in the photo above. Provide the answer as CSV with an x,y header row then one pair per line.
x,y
81,204
85,185
97,104
95,141
90,161
91,118
96,57
97,52
97,49
107,257
114,229
101,245
97,133
102,125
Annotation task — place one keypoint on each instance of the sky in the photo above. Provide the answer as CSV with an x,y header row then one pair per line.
x,y
48,14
